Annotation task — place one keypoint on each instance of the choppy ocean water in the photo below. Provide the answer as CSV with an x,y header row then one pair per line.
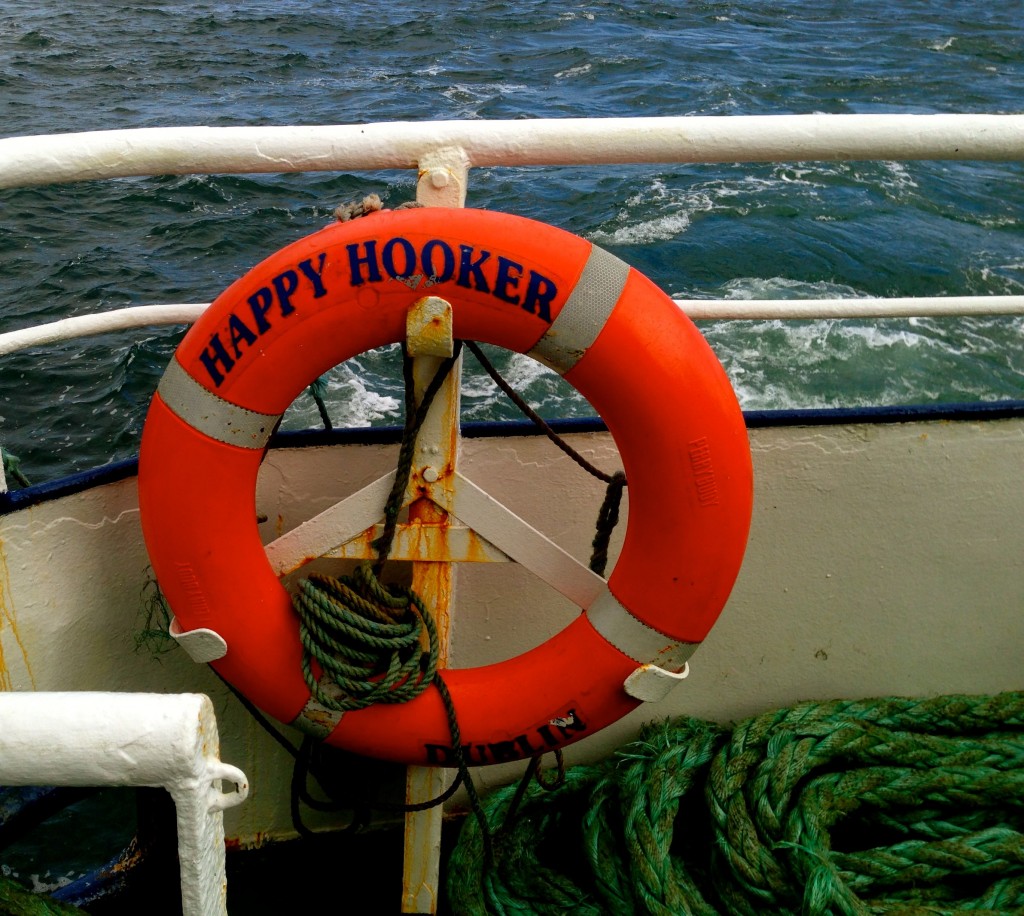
x,y
795,230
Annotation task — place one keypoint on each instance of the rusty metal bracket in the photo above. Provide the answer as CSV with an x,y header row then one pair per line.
x,y
428,328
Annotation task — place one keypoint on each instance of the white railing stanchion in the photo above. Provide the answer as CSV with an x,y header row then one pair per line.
x,y
132,739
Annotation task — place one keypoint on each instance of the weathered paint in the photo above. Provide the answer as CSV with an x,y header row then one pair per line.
x,y
9,621
428,328
89,738
423,542
442,182
447,148
433,582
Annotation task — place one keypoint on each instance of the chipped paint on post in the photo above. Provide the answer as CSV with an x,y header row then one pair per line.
x,y
428,328
442,183
437,449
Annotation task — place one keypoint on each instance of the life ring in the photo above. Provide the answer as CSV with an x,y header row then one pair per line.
x,y
513,282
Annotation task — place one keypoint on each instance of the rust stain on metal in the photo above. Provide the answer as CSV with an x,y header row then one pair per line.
x,y
415,885
204,745
475,550
428,533
305,561
429,328
258,839
433,580
8,619
364,540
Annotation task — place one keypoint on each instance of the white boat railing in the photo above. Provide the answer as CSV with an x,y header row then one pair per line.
x,y
142,316
58,158
91,155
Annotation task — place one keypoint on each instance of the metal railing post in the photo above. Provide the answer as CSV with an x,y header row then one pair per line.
x,y
132,739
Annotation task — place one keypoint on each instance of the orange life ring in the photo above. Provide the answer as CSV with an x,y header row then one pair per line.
x,y
521,285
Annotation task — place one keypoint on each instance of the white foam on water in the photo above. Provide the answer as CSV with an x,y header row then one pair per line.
x,y
542,388
360,405
660,229
634,229
350,400
786,288
523,371
780,364
574,71
661,212
463,92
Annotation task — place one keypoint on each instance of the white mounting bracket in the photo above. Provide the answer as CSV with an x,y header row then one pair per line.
x,y
649,683
202,645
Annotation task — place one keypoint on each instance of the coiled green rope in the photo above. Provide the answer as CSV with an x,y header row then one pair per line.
x,y
367,637
882,806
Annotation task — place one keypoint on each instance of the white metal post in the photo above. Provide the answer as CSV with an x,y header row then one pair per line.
x,y
132,739
442,183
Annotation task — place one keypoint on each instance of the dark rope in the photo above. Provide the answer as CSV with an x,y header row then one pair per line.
x,y
318,389
533,772
366,636
414,418
607,519
559,779
534,417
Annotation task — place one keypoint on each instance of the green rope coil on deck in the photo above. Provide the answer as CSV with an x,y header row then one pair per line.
x,y
16,900
882,806
367,637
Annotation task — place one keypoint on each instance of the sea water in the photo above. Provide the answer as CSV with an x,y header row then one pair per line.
x,y
793,230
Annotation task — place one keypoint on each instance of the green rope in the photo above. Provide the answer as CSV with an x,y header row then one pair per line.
x,y
16,900
367,637
607,519
12,469
883,806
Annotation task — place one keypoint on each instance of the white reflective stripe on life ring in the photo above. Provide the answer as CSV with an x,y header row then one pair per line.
x,y
211,415
634,638
585,312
